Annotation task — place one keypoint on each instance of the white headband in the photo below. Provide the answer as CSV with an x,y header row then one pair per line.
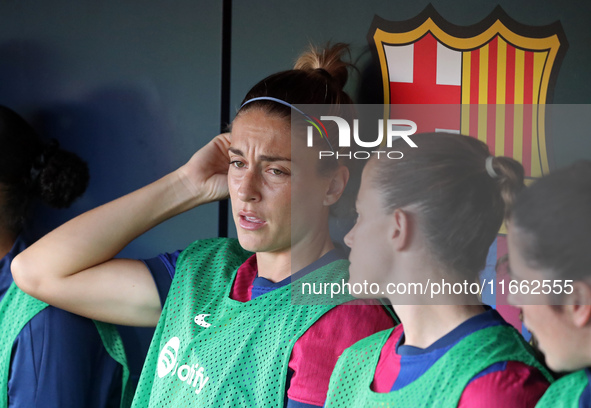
x,y
309,118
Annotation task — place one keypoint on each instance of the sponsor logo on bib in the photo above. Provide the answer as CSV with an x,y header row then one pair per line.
x,y
168,356
192,375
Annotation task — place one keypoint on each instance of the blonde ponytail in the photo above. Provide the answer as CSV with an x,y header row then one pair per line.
x,y
330,60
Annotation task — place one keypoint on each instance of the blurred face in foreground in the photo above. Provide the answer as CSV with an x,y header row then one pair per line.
x,y
555,327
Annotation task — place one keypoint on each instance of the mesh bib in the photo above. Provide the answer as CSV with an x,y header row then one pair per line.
x,y
566,392
12,322
212,351
441,386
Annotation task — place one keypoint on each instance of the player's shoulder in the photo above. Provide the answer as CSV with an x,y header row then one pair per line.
x,y
364,312
355,320
54,321
508,384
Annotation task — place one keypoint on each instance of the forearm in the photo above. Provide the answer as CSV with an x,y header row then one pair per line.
x,y
98,235
73,266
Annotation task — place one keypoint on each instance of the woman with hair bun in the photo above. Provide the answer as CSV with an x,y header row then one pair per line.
x,y
549,242
48,357
431,217
228,334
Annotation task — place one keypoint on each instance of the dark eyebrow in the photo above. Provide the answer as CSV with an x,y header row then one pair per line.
x,y
235,151
273,158
264,158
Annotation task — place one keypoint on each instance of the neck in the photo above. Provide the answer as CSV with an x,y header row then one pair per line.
x,y
277,266
425,324
579,341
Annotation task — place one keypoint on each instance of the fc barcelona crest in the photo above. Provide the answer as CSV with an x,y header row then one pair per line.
x,y
495,78
490,80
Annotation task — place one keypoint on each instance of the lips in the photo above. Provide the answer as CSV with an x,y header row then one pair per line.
x,y
250,221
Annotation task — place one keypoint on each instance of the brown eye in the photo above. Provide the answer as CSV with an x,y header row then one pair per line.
x,y
237,163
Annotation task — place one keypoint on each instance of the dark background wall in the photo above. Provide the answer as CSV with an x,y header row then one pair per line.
x,y
134,86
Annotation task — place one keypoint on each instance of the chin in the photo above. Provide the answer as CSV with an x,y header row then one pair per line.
x,y
253,244
250,244
354,277
560,365
357,291
358,274
555,365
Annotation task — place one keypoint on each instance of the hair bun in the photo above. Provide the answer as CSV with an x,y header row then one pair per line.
x,y
327,61
510,179
42,158
62,178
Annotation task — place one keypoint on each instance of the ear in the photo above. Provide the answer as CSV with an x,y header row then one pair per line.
x,y
402,229
337,185
579,304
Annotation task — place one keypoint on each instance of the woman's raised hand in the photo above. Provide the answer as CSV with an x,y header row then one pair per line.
x,y
205,175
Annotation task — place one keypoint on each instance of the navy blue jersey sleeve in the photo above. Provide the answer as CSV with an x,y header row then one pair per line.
x,y
585,400
295,404
162,269
58,360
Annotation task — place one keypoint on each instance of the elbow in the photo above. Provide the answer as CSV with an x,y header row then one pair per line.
x,y
25,275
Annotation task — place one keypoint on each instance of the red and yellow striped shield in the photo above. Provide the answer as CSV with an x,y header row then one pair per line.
x,y
490,80
502,72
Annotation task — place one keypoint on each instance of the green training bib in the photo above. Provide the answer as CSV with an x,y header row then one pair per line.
x,y
565,392
17,309
212,351
441,386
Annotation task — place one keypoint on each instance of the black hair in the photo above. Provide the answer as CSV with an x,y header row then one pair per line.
x,y
30,168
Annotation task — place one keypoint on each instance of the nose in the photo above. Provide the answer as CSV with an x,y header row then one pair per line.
x,y
249,189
